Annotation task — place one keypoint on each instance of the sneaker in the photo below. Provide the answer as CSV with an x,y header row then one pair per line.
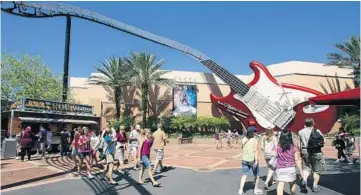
x,y
17,158
240,192
90,176
316,190
338,160
303,187
351,163
257,191
266,186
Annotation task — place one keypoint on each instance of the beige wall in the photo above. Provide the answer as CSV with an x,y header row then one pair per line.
x,y
161,98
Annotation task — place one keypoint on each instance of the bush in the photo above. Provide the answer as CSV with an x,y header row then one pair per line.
x,y
351,122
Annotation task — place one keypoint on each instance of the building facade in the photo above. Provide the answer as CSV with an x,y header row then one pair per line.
x,y
161,101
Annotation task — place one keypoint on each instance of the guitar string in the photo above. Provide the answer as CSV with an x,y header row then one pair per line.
x,y
231,78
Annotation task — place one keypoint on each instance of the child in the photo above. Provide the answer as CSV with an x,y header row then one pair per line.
x,y
218,142
75,146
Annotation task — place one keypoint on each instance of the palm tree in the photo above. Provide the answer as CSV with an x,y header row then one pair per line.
x,y
115,73
349,57
147,73
334,85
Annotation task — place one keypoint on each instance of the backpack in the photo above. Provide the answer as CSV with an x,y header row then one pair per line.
x,y
316,140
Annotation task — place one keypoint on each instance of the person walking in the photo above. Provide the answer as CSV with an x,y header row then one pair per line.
x,y
74,148
42,140
121,141
145,144
94,144
311,141
340,146
250,160
268,145
64,142
49,137
133,145
218,141
350,148
160,140
109,150
84,151
26,143
287,155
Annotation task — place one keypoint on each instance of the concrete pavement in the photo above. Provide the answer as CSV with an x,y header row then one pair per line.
x,y
186,181
190,160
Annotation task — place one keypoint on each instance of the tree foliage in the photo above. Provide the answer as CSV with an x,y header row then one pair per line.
x,y
334,85
147,73
348,57
28,76
115,74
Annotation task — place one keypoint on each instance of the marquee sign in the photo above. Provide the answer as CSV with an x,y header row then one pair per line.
x,y
45,105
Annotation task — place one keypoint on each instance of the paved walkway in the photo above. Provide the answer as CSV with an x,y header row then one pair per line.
x,y
188,159
186,181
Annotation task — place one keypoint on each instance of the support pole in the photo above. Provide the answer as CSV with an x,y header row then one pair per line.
x,y
66,59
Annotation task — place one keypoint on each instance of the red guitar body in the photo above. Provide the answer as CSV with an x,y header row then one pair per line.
x,y
266,84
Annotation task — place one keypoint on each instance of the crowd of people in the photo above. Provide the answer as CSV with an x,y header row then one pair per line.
x,y
230,138
109,148
285,152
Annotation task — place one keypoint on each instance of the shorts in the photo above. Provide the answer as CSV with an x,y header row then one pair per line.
x,y
83,154
146,162
133,150
74,152
287,174
119,154
109,158
248,168
317,162
312,162
159,154
268,165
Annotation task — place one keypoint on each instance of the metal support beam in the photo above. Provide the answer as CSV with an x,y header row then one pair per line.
x,y
66,59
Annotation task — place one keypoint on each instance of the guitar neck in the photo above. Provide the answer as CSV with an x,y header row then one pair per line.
x,y
51,10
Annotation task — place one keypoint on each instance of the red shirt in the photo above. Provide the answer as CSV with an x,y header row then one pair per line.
x,y
84,144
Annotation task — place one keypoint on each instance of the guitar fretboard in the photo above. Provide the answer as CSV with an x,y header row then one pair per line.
x,y
235,83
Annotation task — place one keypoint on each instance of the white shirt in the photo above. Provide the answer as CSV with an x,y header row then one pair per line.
x,y
305,134
94,142
134,135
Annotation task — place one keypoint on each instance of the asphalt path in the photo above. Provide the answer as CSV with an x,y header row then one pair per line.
x,y
340,178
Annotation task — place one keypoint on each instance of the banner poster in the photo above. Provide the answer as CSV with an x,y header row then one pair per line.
x,y
185,100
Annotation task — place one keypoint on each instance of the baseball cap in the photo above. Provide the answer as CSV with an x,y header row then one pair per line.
x,y
251,129
137,126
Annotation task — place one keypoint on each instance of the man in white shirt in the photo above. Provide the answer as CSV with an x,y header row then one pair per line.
x,y
312,161
133,144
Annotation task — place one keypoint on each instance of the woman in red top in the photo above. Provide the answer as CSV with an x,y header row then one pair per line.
x,y
145,143
84,151
26,143
121,139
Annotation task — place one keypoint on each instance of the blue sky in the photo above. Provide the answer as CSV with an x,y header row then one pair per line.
x,y
231,33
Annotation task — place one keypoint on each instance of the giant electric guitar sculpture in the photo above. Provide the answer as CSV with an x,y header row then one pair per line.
x,y
264,101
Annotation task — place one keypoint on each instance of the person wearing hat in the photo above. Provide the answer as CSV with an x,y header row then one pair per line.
x,y
250,160
133,145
